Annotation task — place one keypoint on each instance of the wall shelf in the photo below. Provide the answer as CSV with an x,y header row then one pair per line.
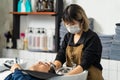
x,y
34,13
16,21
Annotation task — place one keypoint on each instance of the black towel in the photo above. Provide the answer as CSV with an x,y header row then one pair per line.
x,y
40,75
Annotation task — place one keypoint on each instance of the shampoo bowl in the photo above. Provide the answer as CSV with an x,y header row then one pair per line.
x,y
81,76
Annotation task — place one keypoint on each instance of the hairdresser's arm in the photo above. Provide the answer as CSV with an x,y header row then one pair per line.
x,y
76,70
61,55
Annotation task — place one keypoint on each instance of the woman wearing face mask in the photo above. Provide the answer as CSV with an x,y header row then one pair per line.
x,y
80,48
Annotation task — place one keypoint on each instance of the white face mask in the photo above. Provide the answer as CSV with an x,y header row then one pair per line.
x,y
73,28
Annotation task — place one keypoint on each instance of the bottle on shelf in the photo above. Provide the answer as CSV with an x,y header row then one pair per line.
x,y
8,35
23,6
50,39
44,5
34,39
50,5
43,40
28,6
19,5
25,41
33,5
38,33
30,38
39,6
10,44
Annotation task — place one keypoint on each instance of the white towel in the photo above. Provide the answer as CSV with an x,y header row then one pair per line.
x,y
3,75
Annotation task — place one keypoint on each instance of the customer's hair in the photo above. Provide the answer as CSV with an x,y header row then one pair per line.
x,y
76,12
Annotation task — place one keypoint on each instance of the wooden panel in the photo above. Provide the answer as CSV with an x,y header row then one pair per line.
x,y
33,13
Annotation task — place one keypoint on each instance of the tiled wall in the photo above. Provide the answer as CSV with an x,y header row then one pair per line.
x,y
111,70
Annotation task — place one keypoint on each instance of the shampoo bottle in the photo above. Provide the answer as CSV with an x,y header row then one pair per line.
x,y
50,39
19,5
30,39
28,6
43,40
33,5
38,39
23,6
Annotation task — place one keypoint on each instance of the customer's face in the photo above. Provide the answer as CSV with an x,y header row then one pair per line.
x,y
40,66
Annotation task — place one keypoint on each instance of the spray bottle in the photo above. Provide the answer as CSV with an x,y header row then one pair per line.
x,y
30,38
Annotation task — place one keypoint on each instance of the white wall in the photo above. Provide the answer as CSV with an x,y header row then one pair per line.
x,y
37,21
5,17
105,12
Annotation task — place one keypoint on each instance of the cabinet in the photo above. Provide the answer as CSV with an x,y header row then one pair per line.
x,y
16,21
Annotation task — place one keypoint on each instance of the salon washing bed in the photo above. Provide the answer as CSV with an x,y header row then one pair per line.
x,y
81,76
3,74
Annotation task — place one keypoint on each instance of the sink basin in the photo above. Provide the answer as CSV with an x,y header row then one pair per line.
x,y
80,76
10,61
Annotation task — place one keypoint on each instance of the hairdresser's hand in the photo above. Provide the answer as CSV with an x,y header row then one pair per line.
x,y
40,66
15,66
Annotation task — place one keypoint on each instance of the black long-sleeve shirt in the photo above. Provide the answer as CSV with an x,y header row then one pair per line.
x,y
91,51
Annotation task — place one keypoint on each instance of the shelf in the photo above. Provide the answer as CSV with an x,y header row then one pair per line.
x,y
33,13
57,14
